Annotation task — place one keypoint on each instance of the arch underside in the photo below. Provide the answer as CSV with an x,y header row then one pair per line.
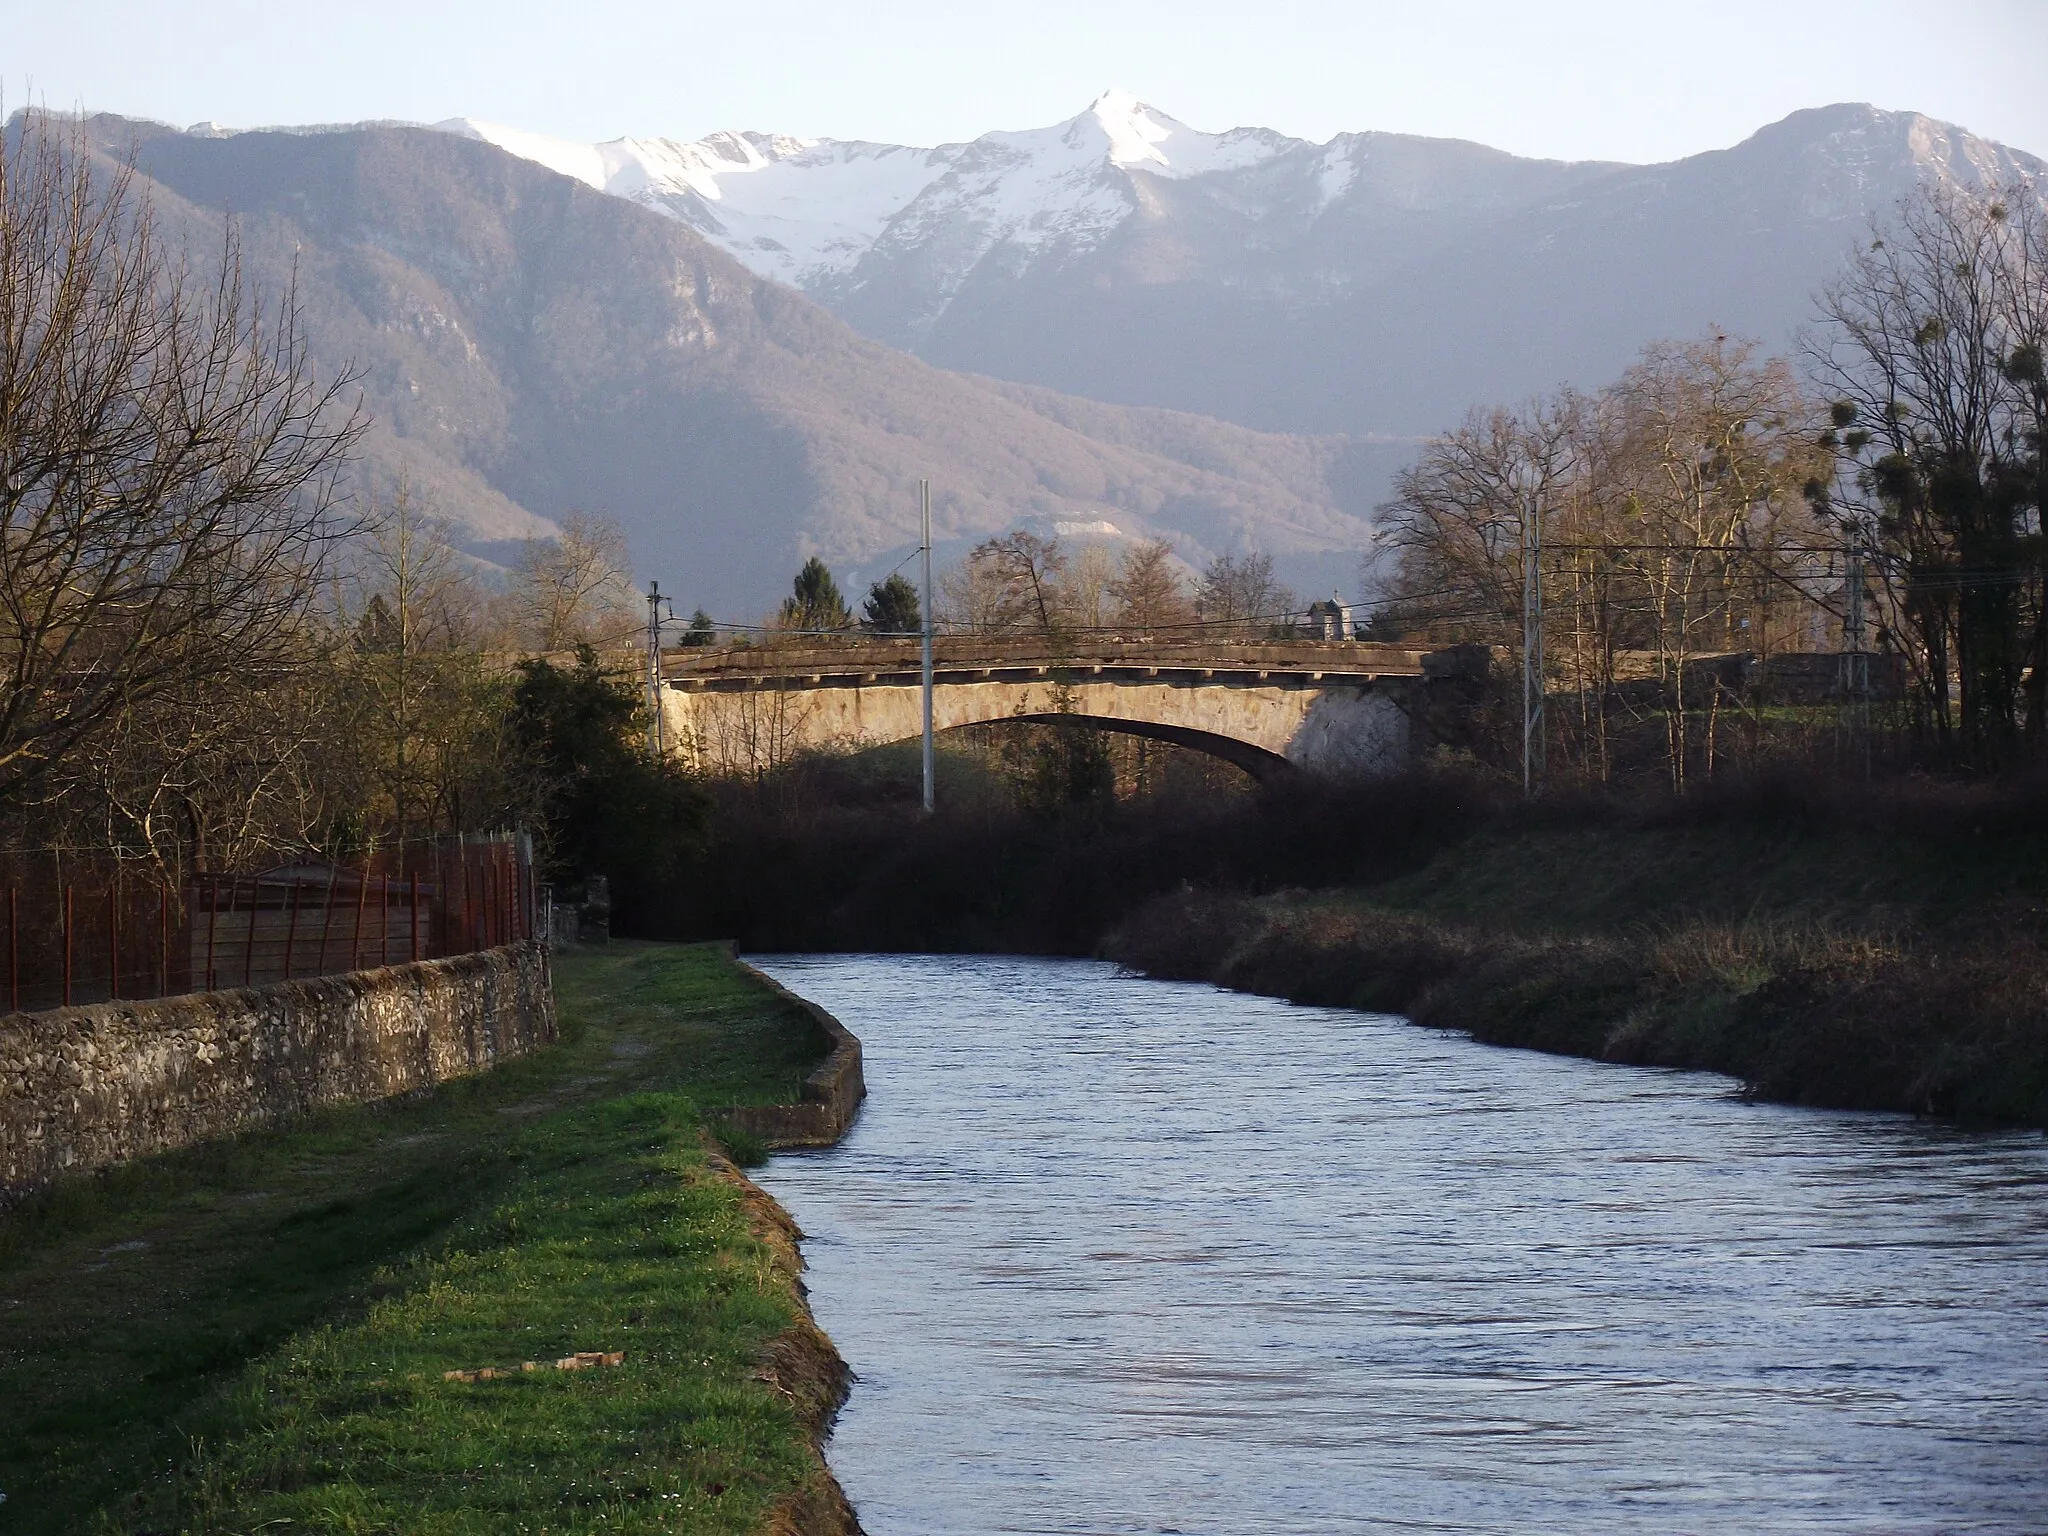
x,y
1256,761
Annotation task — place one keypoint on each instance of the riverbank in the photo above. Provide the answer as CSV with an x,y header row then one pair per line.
x,y
1891,963
1869,946
329,1327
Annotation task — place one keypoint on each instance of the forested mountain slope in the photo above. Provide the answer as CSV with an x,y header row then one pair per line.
x,y
528,346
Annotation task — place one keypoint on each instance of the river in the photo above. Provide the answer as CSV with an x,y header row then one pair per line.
x,y
1112,1255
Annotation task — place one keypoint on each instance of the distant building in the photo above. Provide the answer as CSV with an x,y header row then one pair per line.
x,y
1330,621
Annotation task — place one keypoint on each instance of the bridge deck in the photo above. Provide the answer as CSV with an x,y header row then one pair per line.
x,y
965,659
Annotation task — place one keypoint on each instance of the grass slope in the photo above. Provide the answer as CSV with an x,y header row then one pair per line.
x,y
254,1333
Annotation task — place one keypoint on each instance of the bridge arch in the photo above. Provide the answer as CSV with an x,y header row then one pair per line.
x,y
1254,760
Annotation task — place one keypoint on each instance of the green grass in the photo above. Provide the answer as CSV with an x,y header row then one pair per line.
x,y
253,1334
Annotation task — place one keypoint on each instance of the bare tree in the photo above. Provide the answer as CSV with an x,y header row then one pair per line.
x,y
167,461
217,774
1932,346
1460,517
1007,585
1240,596
575,589
1465,518
2024,301
425,707
1085,603
974,600
1720,448
1148,592
1668,519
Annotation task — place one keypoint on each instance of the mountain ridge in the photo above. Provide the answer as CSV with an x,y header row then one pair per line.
x,y
698,180
528,346
1343,287
1017,318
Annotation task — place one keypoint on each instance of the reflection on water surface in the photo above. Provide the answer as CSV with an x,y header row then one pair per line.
x,y
1115,1256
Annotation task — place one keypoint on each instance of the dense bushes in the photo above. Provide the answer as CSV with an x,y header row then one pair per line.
x,y
606,805
988,875
1882,949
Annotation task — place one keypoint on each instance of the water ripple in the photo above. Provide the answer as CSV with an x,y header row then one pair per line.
x,y
1113,1256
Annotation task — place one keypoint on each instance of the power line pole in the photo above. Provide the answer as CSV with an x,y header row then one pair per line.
x,y
654,668
1532,648
1855,658
924,498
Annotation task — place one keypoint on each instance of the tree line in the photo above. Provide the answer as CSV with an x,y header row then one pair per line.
x,y
1023,583
1733,558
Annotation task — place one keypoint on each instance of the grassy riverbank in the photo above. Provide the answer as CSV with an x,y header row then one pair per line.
x,y
256,1333
1889,956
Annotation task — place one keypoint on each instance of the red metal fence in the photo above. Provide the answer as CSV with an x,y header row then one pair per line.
x,y
89,928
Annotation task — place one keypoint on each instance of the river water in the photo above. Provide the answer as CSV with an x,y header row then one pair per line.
x,y
1111,1255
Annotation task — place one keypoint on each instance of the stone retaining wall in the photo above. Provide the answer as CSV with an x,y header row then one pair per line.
x,y
84,1087
831,1094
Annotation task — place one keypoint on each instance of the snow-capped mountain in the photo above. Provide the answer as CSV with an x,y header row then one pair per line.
x,y
807,211
528,344
841,218
525,346
1376,283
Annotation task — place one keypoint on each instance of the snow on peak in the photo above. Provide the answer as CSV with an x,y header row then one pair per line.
x,y
805,211
582,162
1134,131
1140,137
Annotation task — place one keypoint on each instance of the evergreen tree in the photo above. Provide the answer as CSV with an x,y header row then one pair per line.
x,y
892,608
607,806
814,602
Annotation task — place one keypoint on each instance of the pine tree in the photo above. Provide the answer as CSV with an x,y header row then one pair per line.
x,y
814,602
892,608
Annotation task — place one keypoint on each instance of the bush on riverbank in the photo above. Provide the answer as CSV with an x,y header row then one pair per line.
x,y
825,857
1877,946
834,868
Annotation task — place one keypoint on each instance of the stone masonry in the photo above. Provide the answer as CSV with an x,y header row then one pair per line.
x,y
81,1088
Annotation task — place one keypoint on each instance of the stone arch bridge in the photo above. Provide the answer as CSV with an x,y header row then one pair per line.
x,y
1329,707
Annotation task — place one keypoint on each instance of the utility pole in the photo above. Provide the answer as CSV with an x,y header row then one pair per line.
x,y
924,498
654,668
1855,658
1532,648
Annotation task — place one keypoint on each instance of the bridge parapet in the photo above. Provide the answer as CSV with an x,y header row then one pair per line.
x,y
960,659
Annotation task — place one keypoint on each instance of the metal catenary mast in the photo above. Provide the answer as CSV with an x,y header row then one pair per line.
x,y
924,497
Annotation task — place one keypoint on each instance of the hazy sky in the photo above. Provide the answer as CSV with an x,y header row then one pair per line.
x,y
1613,79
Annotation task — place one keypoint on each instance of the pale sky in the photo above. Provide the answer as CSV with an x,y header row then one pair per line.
x,y
1638,80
